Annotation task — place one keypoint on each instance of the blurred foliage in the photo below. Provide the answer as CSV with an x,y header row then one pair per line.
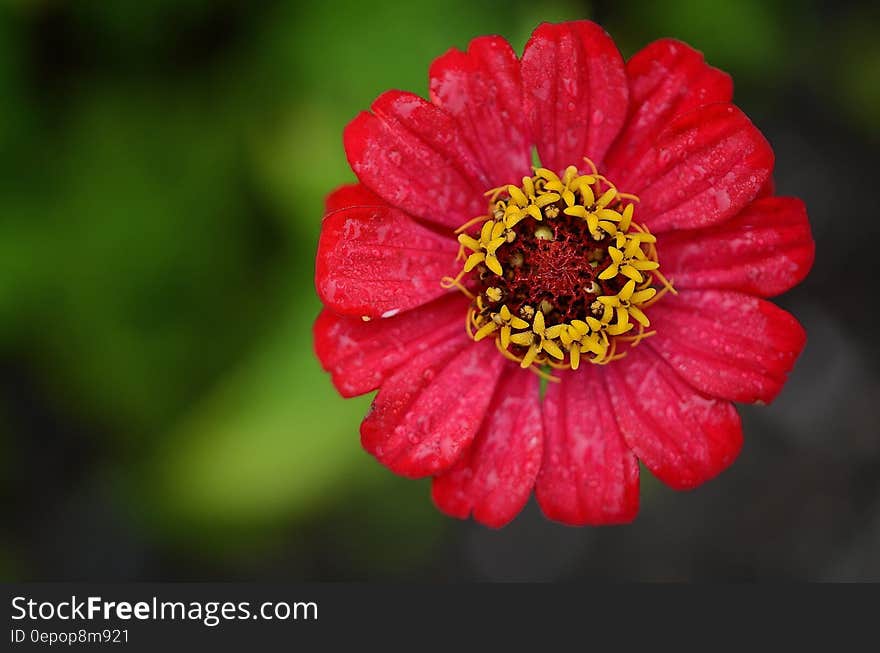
x,y
857,84
748,37
161,188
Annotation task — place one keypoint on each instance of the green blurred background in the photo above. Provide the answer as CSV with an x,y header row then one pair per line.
x,y
162,415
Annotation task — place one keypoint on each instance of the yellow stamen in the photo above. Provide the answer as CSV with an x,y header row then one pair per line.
x,y
624,258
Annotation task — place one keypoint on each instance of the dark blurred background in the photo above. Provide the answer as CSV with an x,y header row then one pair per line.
x,y
162,416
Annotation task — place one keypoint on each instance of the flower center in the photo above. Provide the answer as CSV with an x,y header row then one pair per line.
x,y
558,271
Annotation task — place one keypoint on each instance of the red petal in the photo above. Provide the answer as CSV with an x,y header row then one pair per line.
x,y
376,261
727,344
706,166
667,78
768,189
589,475
412,155
361,354
481,90
351,195
683,436
576,92
429,410
765,250
495,477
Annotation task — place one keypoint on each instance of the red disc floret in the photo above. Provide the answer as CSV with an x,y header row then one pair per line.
x,y
553,265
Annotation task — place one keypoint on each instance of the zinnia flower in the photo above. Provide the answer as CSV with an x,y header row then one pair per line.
x,y
628,270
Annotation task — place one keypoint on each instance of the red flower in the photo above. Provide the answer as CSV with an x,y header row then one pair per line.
x,y
645,165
